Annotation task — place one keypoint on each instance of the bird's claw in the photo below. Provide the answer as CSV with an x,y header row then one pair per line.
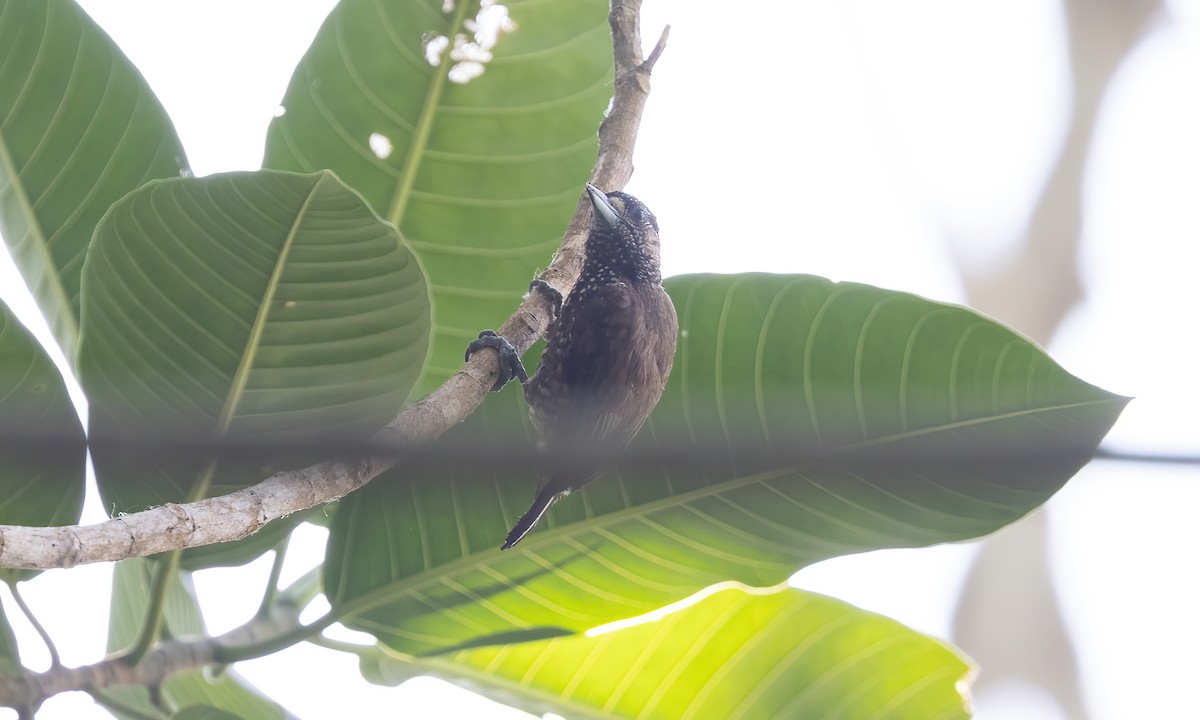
x,y
549,292
510,362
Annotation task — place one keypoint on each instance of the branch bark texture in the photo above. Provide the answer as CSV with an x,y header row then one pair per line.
x,y
28,691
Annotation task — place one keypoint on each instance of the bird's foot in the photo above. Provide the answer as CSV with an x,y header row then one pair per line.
x,y
510,362
547,291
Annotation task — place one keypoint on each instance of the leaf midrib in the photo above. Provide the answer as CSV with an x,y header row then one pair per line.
x,y
959,424
42,243
416,149
241,376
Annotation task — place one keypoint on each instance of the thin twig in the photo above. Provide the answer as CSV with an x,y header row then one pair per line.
x,y
360,651
272,589
37,626
165,571
659,46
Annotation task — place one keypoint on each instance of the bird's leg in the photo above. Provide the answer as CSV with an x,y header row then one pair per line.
x,y
510,362
547,291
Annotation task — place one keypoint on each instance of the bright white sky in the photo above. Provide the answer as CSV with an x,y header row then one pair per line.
x,y
841,139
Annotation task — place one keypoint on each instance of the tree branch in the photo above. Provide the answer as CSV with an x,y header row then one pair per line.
x,y
242,513
55,661
166,658
266,632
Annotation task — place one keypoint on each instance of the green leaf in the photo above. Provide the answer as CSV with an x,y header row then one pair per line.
x,y
804,419
237,324
79,128
227,691
10,656
42,447
739,653
204,712
482,177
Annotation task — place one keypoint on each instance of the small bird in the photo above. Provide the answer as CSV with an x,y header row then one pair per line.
x,y
608,353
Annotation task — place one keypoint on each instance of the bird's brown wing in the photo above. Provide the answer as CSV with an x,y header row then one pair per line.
x,y
601,383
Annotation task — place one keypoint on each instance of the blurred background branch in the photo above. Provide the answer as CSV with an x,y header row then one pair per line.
x,y
1008,617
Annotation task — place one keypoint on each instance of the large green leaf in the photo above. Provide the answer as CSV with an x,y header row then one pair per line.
x,y
227,691
42,448
79,128
481,177
238,323
805,419
736,654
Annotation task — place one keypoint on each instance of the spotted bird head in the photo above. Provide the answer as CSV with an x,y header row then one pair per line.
x,y
623,240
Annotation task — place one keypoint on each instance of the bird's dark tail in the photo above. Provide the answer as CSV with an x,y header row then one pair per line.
x,y
546,497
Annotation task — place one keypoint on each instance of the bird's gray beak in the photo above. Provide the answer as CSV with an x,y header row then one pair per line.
x,y
602,206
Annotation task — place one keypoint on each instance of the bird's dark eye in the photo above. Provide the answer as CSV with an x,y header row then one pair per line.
x,y
635,213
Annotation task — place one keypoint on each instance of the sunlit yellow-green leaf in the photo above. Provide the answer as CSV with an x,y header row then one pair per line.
x,y
738,653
